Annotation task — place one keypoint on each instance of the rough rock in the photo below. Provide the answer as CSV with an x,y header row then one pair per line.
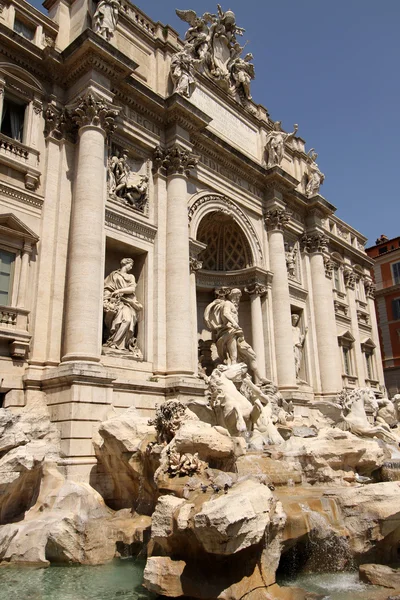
x,y
236,520
125,474
162,522
214,445
268,469
163,576
69,523
371,515
380,575
334,456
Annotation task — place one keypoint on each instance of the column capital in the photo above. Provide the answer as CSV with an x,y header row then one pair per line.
x,y
277,218
329,266
349,278
256,289
58,122
369,288
194,264
96,112
174,160
27,248
313,243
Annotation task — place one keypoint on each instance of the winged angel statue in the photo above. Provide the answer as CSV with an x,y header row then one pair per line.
x,y
211,47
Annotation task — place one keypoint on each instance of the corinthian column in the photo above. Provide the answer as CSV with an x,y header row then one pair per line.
x,y
275,221
177,163
257,326
325,323
85,260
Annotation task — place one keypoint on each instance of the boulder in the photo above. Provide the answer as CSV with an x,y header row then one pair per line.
x,y
214,445
162,575
380,575
236,520
125,474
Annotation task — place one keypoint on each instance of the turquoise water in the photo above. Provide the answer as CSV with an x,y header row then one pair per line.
x,y
120,580
338,586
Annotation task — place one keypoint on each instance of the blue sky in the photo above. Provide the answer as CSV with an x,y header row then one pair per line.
x,y
332,66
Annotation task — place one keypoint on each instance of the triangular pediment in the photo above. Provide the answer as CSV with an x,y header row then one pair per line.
x,y
347,337
368,344
11,225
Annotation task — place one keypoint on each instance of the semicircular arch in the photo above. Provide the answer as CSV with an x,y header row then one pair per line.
x,y
202,205
22,74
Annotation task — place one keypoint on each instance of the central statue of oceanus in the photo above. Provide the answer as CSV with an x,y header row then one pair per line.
x,y
221,317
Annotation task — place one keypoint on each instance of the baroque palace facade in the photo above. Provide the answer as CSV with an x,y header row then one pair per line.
x,y
120,141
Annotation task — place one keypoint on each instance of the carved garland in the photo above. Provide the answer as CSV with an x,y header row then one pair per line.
x,y
230,208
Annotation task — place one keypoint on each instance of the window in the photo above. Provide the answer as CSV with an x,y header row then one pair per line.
x,y
24,29
12,119
396,309
382,250
336,278
396,272
368,348
7,260
346,360
368,359
346,341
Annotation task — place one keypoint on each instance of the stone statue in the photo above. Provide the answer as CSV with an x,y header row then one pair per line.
x,y
233,410
291,256
242,72
275,143
182,73
354,417
298,342
121,309
211,44
126,184
315,178
105,18
222,318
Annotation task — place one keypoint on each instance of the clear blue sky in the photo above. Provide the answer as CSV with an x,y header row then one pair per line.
x,y
332,66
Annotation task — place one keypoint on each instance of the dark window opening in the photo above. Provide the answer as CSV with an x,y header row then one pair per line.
x,y
12,120
23,29
383,250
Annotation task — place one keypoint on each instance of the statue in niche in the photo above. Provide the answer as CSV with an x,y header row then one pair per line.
x,y
298,342
275,143
105,18
125,183
211,44
182,73
121,309
315,178
291,260
221,317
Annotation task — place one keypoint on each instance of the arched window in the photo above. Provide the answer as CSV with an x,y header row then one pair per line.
x,y
227,246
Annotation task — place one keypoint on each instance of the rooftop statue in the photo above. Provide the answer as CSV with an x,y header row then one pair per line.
x,y
222,318
105,18
315,178
211,44
275,143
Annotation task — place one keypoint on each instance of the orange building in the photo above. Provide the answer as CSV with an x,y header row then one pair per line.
x,y
386,254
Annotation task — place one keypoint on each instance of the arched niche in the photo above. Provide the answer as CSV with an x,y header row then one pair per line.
x,y
208,204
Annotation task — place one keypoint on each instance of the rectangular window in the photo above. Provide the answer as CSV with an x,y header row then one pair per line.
x,y
6,272
336,278
24,29
368,358
346,360
396,309
396,272
12,119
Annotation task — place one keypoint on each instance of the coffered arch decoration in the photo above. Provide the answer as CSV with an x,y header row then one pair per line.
x,y
218,222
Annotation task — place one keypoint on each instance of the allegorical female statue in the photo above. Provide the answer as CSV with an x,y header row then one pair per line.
x,y
121,309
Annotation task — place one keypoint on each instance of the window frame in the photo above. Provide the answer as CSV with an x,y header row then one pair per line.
x,y
11,286
394,267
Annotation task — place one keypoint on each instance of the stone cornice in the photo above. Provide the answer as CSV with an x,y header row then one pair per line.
x,y
133,227
181,111
243,278
21,196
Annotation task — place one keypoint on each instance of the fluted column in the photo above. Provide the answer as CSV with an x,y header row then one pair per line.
x,y
350,283
370,294
23,278
325,323
275,221
177,163
85,273
195,265
257,326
